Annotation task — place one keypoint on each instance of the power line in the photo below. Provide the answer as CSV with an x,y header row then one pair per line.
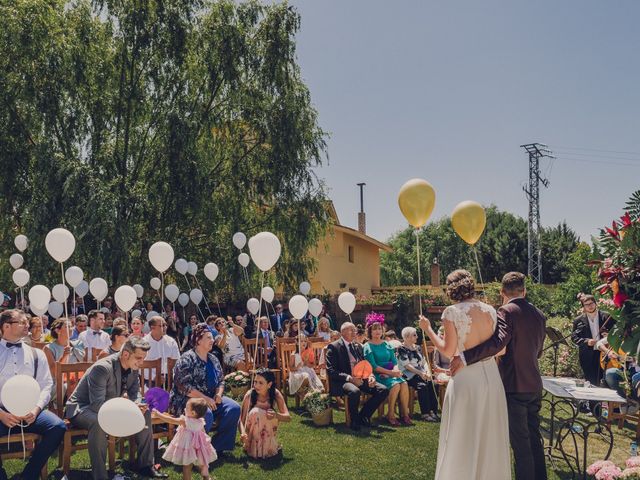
x,y
599,162
596,150
597,156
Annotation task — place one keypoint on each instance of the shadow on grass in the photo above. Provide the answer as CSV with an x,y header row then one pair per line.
x,y
375,431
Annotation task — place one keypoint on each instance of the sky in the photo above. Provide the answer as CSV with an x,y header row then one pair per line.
x,y
449,90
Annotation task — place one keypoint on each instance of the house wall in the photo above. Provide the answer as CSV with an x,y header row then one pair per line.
x,y
334,268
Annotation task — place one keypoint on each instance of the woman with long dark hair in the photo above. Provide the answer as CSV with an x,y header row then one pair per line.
x,y
263,407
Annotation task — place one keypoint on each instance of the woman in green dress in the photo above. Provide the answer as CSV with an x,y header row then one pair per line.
x,y
382,358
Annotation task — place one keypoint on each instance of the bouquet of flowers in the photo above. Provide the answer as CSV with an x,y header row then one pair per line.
x,y
237,379
316,402
595,467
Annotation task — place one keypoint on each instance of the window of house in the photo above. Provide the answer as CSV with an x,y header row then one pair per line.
x,y
351,254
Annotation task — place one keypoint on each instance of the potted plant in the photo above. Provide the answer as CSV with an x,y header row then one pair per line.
x,y
238,383
318,404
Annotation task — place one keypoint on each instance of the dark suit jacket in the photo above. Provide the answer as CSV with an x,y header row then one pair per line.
x,y
521,328
582,332
101,382
339,366
274,323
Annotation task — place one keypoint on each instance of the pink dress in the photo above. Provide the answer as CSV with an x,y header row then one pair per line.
x,y
262,441
191,445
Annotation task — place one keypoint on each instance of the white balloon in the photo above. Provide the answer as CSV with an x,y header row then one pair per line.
x,y
74,276
20,277
60,244
38,311
183,299
21,242
192,268
305,288
60,292
253,305
152,314
98,288
55,309
125,297
298,306
244,259
136,314
181,266
120,417
155,283
171,292
347,302
16,260
265,250
315,307
161,256
39,296
239,240
196,296
82,289
211,271
267,294
20,395
139,290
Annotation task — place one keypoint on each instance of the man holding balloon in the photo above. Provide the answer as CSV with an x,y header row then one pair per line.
x,y
25,373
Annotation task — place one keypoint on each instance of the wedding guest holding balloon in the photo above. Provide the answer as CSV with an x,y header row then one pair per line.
x,y
80,326
94,339
270,340
382,358
119,335
18,358
263,408
230,343
198,374
112,377
188,330
302,375
62,349
162,346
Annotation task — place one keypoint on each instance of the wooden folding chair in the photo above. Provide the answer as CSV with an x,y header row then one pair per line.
x,y
285,352
38,345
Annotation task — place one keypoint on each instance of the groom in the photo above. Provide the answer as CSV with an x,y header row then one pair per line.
x,y
521,328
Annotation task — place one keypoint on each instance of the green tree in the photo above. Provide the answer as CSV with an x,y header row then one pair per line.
x,y
129,122
581,278
557,245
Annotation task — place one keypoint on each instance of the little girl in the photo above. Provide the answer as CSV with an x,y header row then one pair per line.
x,y
190,445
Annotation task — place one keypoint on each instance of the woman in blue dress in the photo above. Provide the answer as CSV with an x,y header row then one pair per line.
x,y
382,358
198,374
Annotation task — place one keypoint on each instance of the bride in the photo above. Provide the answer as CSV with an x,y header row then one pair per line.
x,y
474,433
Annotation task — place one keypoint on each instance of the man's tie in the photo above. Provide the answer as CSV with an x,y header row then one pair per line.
x,y
97,332
267,342
353,352
16,345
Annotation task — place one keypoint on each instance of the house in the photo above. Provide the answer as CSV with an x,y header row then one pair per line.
x,y
347,259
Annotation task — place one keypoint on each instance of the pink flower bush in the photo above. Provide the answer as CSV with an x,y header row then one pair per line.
x,y
633,462
609,473
631,473
599,465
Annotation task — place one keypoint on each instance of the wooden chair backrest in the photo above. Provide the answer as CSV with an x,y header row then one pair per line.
x,y
283,341
171,363
318,348
152,370
38,345
95,353
285,352
315,339
69,373
249,345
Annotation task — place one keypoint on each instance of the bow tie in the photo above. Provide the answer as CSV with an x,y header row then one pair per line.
x,y
97,333
16,345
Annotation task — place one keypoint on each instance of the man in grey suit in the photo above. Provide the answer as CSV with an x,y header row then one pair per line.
x,y
112,377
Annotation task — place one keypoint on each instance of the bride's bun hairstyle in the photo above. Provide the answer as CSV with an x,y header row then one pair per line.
x,y
460,285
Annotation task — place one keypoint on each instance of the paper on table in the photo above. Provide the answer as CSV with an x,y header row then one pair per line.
x,y
593,393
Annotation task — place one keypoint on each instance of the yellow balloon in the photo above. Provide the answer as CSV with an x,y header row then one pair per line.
x,y
416,200
468,220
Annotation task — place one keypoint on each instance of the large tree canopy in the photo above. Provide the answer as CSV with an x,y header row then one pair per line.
x,y
132,121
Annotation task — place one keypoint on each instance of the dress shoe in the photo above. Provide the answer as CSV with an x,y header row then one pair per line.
x,y
365,421
152,472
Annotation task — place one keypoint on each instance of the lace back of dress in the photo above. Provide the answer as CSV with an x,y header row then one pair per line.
x,y
459,315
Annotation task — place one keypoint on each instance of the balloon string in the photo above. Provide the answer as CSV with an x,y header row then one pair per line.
x,y
187,280
417,231
206,302
65,307
255,353
162,291
475,251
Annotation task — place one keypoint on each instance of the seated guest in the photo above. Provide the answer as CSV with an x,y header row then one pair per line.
x,y
361,335
382,358
120,322
161,345
136,328
36,333
278,319
188,330
325,314
172,321
19,359
341,357
229,342
392,339
94,339
270,341
61,349
413,367
263,408
108,323
302,375
45,324
80,326
108,378
309,325
616,365
293,329
441,362
335,335
250,325
119,335
198,374
324,329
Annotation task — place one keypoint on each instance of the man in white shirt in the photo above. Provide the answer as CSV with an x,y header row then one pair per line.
x,y
94,338
18,358
162,345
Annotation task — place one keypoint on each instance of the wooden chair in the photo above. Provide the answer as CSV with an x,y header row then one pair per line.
x,y
262,360
623,417
286,350
72,373
30,440
38,345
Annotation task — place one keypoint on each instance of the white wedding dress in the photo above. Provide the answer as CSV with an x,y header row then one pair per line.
x,y
474,433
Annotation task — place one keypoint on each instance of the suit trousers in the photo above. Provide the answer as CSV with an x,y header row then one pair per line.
x,y
88,420
378,395
524,435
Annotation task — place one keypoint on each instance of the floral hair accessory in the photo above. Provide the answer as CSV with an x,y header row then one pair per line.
x,y
374,317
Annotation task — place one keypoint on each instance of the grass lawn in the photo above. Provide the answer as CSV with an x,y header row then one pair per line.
x,y
335,452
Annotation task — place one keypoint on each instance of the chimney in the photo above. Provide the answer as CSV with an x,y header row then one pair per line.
x,y
435,273
362,220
